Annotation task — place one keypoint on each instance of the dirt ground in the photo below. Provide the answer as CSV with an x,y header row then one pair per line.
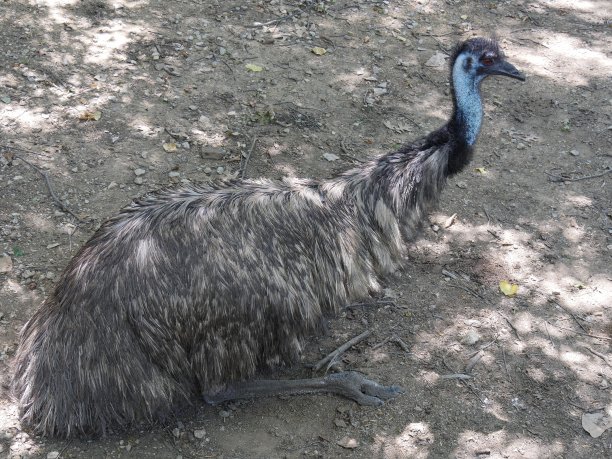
x,y
113,98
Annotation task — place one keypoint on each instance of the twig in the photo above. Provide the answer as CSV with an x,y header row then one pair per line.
x,y
460,376
601,356
569,312
505,364
401,343
486,211
556,178
341,349
469,290
580,333
382,343
56,200
473,361
347,154
248,157
370,303
63,450
548,333
511,325
494,234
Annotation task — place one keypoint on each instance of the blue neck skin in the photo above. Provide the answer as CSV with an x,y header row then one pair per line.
x,y
468,105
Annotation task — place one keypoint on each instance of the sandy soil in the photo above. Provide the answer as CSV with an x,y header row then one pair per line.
x,y
113,98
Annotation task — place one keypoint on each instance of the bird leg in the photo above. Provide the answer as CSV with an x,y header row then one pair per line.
x,y
349,384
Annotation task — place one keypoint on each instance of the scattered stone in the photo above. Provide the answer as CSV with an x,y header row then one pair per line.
x,y
435,228
330,157
340,423
437,60
54,245
597,423
139,172
199,434
212,153
53,455
574,152
470,338
461,185
173,174
224,414
207,170
6,263
379,91
220,170
138,181
111,185
176,432
348,443
27,274
520,146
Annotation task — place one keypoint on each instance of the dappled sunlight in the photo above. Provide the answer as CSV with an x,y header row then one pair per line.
x,y
101,45
413,442
594,11
572,60
503,444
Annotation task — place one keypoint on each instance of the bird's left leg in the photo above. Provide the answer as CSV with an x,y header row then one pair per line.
x,y
349,384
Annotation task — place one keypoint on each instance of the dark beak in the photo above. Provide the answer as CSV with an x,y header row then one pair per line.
x,y
506,69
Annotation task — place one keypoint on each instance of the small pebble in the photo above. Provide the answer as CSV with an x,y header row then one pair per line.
x,y
53,455
574,152
139,172
174,174
6,263
138,181
220,170
199,434
176,432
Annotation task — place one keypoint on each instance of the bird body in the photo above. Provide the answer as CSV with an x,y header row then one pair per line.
x,y
188,290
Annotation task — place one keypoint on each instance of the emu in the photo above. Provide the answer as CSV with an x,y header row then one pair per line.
x,y
190,292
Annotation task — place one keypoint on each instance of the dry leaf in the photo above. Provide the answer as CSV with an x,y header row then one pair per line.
x,y
348,443
318,50
90,116
254,68
169,147
507,288
480,170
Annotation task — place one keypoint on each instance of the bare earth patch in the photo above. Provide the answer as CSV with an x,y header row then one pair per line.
x,y
113,98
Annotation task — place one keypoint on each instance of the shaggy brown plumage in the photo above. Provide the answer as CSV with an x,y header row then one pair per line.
x,y
187,290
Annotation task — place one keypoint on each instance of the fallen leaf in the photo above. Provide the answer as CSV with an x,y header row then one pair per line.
x,y
254,68
169,147
348,443
480,170
90,115
507,288
318,50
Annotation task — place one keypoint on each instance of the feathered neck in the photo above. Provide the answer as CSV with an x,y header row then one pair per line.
x,y
467,114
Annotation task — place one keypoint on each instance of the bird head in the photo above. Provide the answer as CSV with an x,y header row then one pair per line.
x,y
478,58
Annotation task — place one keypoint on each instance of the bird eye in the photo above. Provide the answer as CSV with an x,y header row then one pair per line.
x,y
487,61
